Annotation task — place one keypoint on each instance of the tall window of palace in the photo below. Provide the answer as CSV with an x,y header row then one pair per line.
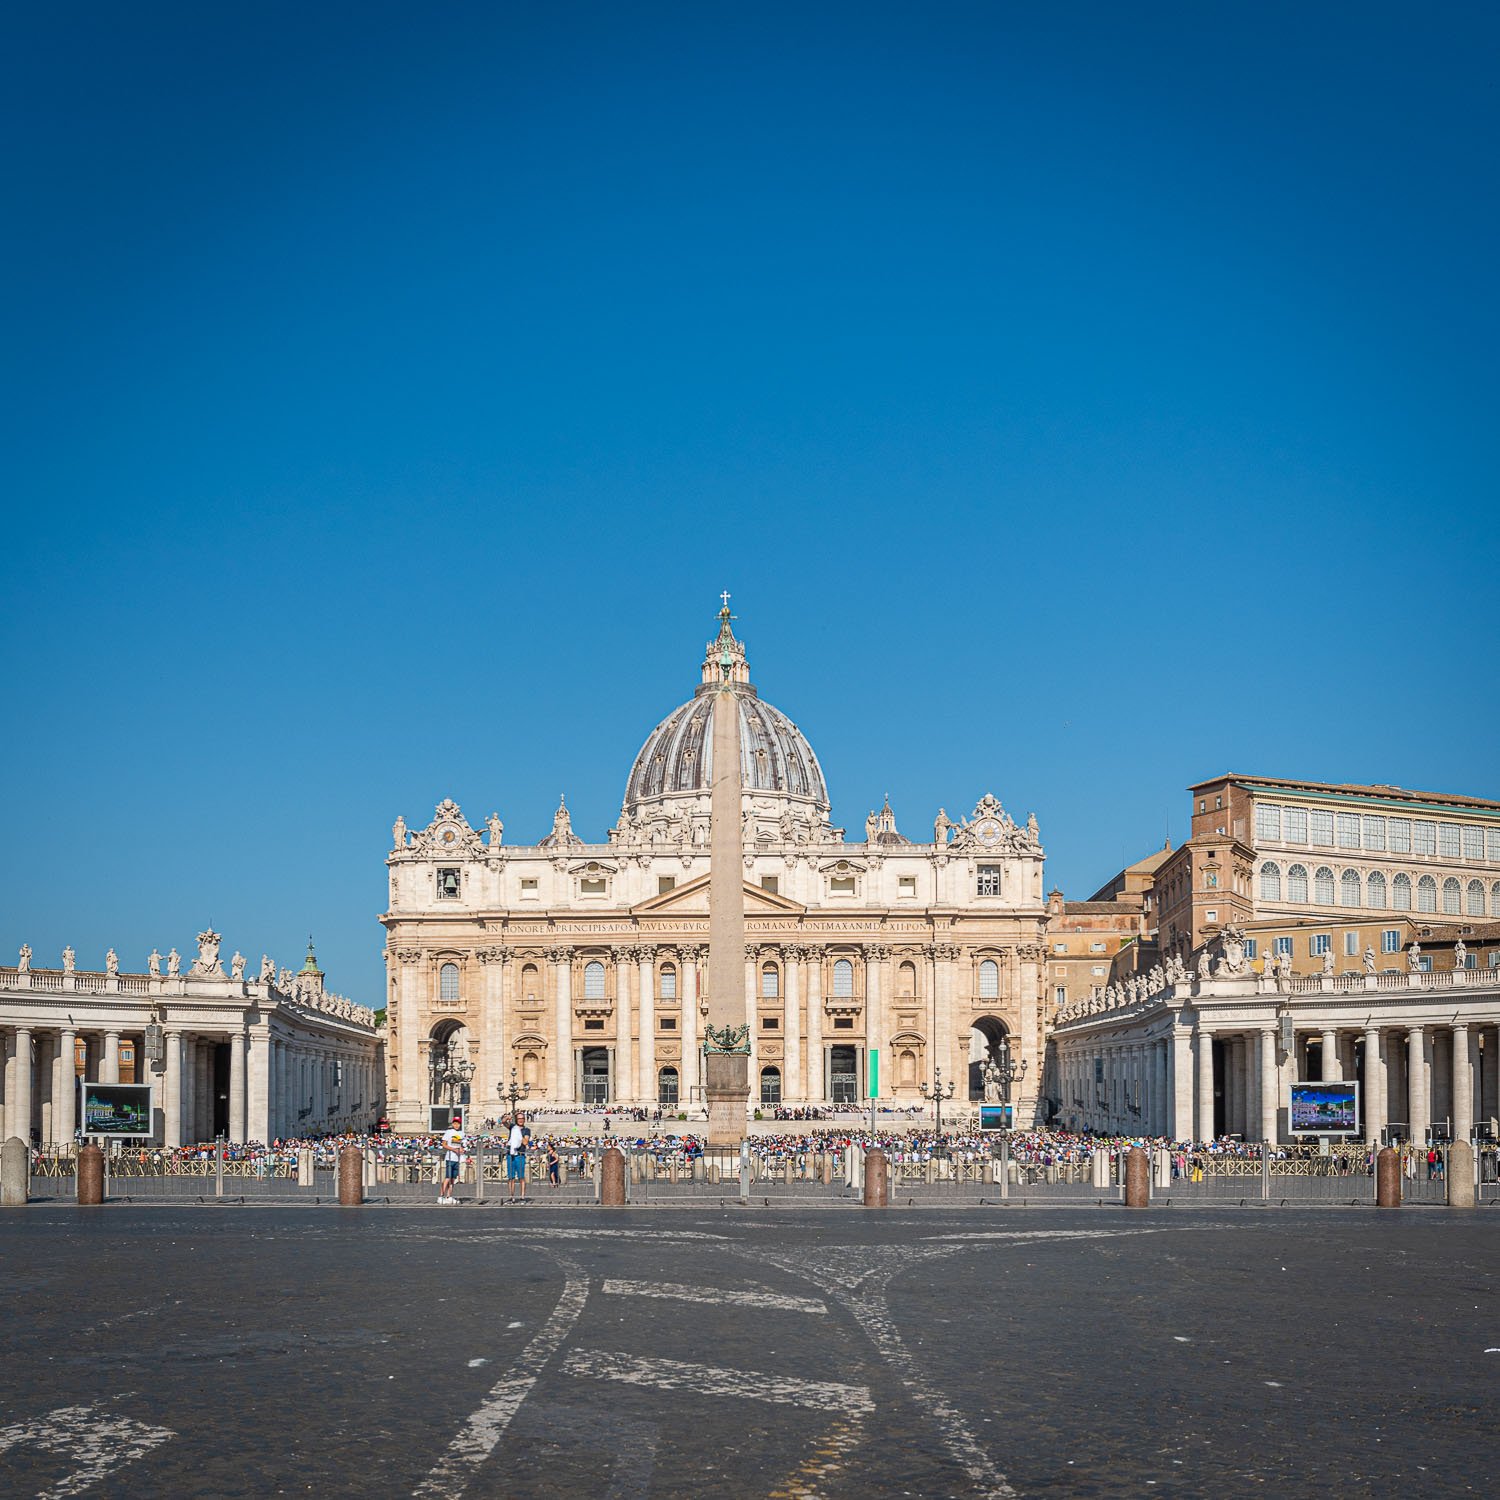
x,y
1475,898
1450,897
770,982
668,981
1375,890
1401,893
989,980
1323,886
1270,882
1296,883
593,980
843,978
448,982
1349,888
1427,894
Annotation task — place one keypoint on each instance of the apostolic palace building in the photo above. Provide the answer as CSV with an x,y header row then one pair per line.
x,y
869,965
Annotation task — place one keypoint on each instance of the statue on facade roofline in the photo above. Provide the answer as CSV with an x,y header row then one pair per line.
x,y
237,965
25,963
68,957
1328,962
496,828
267,969
111,962
1460,954
1203,970
398,833
941,826
174,964
1369,960
153,964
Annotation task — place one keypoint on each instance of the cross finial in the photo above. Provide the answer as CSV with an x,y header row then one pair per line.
x,y
725,597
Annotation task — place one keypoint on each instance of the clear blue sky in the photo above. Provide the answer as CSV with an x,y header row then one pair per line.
x,y
1077,400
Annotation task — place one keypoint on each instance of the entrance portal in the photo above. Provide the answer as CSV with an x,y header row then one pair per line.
x,y
596,1075
989,1041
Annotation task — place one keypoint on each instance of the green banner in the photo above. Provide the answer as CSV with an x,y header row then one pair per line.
x,y
874,1073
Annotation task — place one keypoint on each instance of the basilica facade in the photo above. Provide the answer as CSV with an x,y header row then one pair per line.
x,y
871,967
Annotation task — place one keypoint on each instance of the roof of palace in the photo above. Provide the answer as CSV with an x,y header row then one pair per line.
x,y
677,758
1384,792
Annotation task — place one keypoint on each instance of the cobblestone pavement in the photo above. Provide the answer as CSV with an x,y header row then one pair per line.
x,y
535,1352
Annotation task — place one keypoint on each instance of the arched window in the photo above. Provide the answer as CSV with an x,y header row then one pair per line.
x,y
1349,888
529,982
843,979
1323,886
668,981
906,1067
770,1085
989,980
1375,890
1474,904
530,1068
770,982
1270,882
1296,883
1451,897
593,980
1495,899
906,981
1401,893
666,1086
1427,894
448,982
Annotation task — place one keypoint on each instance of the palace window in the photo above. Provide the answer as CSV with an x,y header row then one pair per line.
x,y
593,980
1062,994
843,979
1374,834
1427,894
1096,947
1375,890
1448,840
1251,947
448,982
1294,820
1390,940
1348,826
1492,845
770,982
1283,947
1474,903
1321,824
1351,945
989,881
1270,882
1323,886
1471,959
989,980
1296,883
1267,822
1398,831
1495,899
1450,897
1100,970
448,883
1424,838
1349,888
1401,893
1319,944
667,982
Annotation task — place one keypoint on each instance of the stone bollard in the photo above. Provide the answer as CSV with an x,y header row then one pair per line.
x,y
612,1178
1163,1167
90,1176
877,1186
1100,1163
305,1166
1459,1175
1137,1178
1388,1178
15,1173
351,1177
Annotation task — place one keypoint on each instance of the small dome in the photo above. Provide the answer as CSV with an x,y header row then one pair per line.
x,y
775,757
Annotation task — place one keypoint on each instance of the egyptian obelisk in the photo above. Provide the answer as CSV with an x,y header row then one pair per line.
x,y
726,1046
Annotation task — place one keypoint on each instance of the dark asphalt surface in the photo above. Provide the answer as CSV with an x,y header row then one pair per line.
x,y
1089,1352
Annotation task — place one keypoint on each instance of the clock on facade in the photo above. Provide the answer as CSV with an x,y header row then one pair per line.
x,y
987,831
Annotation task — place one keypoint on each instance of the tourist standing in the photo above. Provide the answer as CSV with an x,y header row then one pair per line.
x,y
453,1150
515,1157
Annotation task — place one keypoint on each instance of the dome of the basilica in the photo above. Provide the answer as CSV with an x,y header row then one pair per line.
x,y
677,758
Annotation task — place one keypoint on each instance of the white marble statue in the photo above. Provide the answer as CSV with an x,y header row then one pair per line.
x,y
1369,960
1203,970
237,965
111,962
153,964
267,969
496,828
174,964
68,958
1414,957
25,964
1328,962
940,827
1460,954
398,833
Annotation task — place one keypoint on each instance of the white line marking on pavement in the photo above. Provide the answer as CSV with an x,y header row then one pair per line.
x,y
476,1439
676,1292
710,1380
97,1442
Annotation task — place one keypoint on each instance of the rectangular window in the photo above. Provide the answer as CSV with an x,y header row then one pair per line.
x,y
1374,834
841,885
771,883
989,880
1390,940
528,885
1448,840
1351,945
1251,947
1062,994
1492,847
1473,842
1096,947
906,885
1267,822
1321,824
1424,964
1471,959
1283,947
665,883
1098,971
1424,838
593,1025
1398,835
843,1023
1319,944
1294,820
591,885
1210,916
769,1023
1059,947
448,883
668,1023
1348,826
1495,958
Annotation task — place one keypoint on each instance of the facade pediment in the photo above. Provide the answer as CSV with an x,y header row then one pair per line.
x,y
692,900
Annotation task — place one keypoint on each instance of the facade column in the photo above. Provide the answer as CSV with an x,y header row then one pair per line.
x,y
65,1105
646,957
408,1079
20,1115
109,1070
1374,1100
1417,1113
692,1056
1234,1086
258,1100
1270,1093
752,1016
1180,1068
237,1086
561,1069
1463,1085
1031,975
1330,1070
946,953
877,1023
817,1071
1205,1046
793,1089
625,1009
189,1105
172,1083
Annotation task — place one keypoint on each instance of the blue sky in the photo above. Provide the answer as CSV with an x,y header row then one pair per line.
x,y
1077,400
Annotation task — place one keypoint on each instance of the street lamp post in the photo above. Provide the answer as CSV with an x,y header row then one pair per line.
x,y
451,1073
937,1093
514,1094
1002,1075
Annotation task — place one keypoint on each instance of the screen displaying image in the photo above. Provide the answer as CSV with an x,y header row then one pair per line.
x,y
117,1109
1325,1108
994,1116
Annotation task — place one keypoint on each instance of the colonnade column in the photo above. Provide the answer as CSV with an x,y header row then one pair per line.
x,y
172,1082
816,1092
1374,1103
1180,1127
1270,1093
237,1086
257,1086
1159,1124
1463,1084
624,1081
1204,1042
646,958
877,1026
1330,1065
1416,1084
65,1104
691,1056
561,1089
109,1068
20,1113
793,1087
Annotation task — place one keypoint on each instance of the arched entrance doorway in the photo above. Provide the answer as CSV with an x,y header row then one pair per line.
x,y
450,1067
989,1041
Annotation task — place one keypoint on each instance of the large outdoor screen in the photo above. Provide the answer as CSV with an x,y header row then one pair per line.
x,y
117,1109
1325,1109
994,1116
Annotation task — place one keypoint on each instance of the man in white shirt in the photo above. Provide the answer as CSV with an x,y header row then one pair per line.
x,y
453,1150
515,1157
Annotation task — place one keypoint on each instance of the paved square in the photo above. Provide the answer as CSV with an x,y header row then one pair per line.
x,y
416,1351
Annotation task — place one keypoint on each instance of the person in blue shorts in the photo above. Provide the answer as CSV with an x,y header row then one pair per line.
x,y
515,1158
453,1150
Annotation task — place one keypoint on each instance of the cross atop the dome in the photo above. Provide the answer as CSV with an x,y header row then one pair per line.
x,y
725,597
